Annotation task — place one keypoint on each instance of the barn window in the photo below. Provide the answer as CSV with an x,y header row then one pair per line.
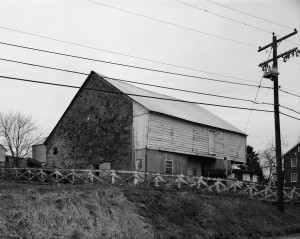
x,y
293,177
55,151
138,164
294,162
168,166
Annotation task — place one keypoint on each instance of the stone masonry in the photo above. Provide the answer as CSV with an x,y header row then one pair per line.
x,y
96,127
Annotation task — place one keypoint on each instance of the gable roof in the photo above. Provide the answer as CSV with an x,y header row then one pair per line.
x,y
3,147
182,110
297,144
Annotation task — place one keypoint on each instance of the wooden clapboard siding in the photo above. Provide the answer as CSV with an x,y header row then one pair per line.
x,y
156,161
140,126
173,135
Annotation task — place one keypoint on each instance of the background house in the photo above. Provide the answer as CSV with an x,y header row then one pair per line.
x,y
292,166
242,174
2,155
109,125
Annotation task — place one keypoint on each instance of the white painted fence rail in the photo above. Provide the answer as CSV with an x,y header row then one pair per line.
x,y
122,177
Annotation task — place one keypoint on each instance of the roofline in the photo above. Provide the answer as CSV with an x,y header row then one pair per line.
x,y
296,145
77,95
3,147
103,77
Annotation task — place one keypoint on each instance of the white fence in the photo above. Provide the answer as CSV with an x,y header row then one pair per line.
x,y
121,177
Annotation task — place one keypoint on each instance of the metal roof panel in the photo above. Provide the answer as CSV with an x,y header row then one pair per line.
x,y
186,111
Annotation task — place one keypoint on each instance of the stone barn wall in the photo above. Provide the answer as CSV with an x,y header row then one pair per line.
x,y
97,126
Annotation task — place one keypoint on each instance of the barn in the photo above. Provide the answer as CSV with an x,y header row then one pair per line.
x,y
110,124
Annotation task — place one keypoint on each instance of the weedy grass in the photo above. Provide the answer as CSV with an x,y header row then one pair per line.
x,y
98,211
77,214
181,214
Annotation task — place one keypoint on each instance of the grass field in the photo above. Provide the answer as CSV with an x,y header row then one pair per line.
x,y
86,211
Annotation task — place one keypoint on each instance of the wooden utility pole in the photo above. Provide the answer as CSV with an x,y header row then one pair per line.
x,y
272,73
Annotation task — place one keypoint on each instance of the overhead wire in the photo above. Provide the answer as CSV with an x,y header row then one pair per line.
x,y
189,76
94,48
287,108
288,93
251,15
114,63
144,96
222,16
152,85
289,116
173,24
130,94
133,82
112,52
121,64
249,117
260,18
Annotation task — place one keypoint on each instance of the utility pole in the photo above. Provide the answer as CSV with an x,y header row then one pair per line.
x,y
272,74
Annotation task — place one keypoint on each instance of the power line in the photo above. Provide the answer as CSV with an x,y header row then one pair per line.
x,y
125,65
157,86
289,93
130,94
248,14
231,19
259,86
190,76
110,62
144,96
173,24
295,111
114,52
289,116
134,82
94,48
222,16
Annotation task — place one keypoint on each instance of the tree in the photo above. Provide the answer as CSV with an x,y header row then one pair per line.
x,y
18,132
268,156
253,163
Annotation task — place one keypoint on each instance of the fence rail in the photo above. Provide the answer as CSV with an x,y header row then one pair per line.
x,y
122,177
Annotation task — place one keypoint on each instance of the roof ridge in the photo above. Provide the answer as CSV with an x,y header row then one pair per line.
x,y
182,110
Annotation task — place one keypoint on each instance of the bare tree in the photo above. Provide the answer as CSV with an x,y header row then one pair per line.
x,y
268,159
18,132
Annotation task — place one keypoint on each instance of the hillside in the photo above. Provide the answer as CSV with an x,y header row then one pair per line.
x,y
29,211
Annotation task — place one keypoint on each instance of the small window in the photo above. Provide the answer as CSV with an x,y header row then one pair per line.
x,y
293,177
293,162
169,167
55,151
138,164
298,148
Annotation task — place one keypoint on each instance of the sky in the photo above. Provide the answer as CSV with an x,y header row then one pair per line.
x,y
183,39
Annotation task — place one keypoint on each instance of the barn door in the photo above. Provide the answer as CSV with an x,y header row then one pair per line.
x,y
211,142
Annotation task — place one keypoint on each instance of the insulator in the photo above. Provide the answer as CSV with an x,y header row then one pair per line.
x,y
293,53
263,67
284,59
297,53
288,56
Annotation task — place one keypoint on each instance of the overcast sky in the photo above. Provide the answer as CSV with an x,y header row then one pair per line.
x,y
105,30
